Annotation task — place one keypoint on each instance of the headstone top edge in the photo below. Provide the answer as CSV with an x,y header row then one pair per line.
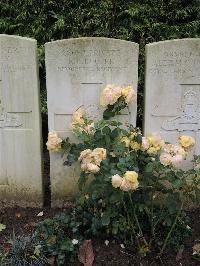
x,y
17,37
90,38
171,41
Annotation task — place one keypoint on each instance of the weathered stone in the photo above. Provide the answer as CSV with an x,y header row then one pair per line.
x,y
172,93
20,136
77,71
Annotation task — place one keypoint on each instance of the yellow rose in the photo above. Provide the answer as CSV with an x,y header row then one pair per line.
x,y
126,141
130,181
152,150
116,181
150,140
135,145
131,176
102,101
156,141
125,91
186,141
133,135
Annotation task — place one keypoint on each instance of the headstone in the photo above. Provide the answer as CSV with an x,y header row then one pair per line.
x,y
77,71
172,96
20,137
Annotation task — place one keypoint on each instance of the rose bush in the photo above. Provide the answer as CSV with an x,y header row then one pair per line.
x,y
138,188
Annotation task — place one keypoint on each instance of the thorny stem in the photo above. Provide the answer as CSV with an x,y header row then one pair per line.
x,y
151,221
171,230
129,223
136,219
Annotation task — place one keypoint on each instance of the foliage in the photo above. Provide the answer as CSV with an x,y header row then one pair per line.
x,y
55,236
138,21
22,251
132,186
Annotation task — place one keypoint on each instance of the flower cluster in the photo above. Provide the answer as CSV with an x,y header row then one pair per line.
x,y
80,123
91,159
129,181
172,154
131,142
54,142
152,144
112,93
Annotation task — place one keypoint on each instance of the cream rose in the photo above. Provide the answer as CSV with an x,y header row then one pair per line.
x,y
78,118
131,96
125,185
54,142
116,181
92,168
91,159
165,159
145,143
84,154
110,95
177,160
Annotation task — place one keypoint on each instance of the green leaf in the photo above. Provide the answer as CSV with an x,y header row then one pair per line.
x,y
106,131
105,219
177,183
149,168
115,133
82,180
107,114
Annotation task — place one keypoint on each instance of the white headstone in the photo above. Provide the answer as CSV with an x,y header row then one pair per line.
x,y
20,138
172,96
77,71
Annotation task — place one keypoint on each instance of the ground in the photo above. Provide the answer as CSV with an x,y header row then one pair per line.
x,y
20,220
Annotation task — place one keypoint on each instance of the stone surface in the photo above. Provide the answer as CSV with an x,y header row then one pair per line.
x,y
77,71
20,138
172,93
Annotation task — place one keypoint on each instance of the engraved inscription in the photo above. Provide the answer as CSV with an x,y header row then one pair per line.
x,y
15,68
91,60
189,119
176,63
13,51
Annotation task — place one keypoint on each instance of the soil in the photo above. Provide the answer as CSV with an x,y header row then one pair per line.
x,y
21,221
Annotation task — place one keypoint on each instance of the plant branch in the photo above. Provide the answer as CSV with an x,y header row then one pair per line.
x,y
171,230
